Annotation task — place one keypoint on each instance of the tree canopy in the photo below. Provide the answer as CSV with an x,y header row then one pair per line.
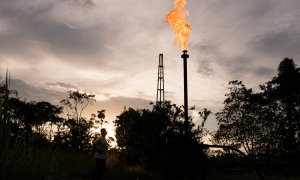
x,y
265,122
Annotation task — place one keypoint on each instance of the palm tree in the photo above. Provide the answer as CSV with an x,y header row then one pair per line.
x,y
101,116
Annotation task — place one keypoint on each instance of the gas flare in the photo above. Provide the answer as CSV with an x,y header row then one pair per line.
x,y
176,19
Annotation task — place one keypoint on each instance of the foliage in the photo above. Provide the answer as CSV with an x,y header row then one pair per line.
x,y
12,152
155,138
239,121
75,104
74,134
77,137
99,118
41,124
26,142
264,123
286,88
4,93
37,143
26,115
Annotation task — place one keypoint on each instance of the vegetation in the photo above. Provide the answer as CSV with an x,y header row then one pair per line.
x,y
39,140
155,138
264,123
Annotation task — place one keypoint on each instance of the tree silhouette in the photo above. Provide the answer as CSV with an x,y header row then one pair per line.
x,y
286,87
239,121
76,135
99,118
263,123
75,104
155,138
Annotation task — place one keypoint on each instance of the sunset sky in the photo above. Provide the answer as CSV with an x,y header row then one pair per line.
x,y
110,48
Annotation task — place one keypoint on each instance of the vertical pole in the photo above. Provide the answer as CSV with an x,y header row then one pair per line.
x,y
157,90
185,56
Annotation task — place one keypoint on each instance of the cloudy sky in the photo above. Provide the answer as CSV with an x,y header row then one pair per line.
x,y
110,48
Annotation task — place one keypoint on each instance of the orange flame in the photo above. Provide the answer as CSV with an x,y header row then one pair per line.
x,y
176,19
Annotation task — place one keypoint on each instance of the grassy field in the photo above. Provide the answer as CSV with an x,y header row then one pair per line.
x,y
54,165
59,165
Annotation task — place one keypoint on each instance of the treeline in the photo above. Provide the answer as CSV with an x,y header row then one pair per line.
x,y
44,124
265,125
155,138
39,139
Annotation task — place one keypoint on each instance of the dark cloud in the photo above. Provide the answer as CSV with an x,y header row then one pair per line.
x,y
212,56
265,71
239,65
244,38
283,44
236,65
208,55
82,33
84,3
35,29
35,93
243,67
205,68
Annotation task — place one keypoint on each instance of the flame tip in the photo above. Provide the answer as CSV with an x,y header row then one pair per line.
x,y
176,19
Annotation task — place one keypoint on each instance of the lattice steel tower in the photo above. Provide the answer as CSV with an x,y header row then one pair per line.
x,y
160,95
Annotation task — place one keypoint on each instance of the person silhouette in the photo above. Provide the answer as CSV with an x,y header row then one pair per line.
x,y
101,152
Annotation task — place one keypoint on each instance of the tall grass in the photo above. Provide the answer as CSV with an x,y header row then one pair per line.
x,y
11,153
13,156
19,160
